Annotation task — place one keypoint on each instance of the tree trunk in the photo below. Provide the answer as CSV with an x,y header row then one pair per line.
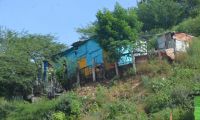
x,y
116,69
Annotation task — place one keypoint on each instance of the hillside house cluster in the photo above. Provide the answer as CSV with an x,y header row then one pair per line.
x,y
87,60
84,56
88,55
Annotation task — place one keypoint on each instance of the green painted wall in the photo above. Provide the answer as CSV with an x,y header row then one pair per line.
x,y
197,108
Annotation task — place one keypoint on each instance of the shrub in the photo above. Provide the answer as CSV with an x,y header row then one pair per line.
x,y
157,102
101,96
158,84
5,108
32,111
123,110
180,95
194,56
145,81
196,85
59,116
183,73
69,104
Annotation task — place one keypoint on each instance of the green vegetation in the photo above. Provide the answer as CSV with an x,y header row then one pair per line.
x,y
115,30
21,56
159,89
156,14
68,106
190,26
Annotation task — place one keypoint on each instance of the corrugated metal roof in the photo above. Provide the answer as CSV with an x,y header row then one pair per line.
x,y
182,37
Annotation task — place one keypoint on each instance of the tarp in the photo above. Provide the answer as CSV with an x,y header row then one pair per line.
x,y
170,53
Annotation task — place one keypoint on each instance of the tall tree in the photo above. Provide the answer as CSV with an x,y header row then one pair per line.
x,y
160,14
21,55
88,32
117,30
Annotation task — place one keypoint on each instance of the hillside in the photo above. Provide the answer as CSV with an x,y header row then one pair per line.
x,y
160,89
137,63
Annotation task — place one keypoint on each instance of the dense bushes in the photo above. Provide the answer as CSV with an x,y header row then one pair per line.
x,y
194,56
123,110
71,106
157,102
15,77
171,92
108,106
21,56
59,116
5,108
68,106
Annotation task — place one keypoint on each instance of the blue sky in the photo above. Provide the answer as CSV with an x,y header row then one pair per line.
x,y
57,17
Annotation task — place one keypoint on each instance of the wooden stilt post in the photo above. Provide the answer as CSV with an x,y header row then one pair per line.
x,y
93,70
116,69
171,117
133,62
78,76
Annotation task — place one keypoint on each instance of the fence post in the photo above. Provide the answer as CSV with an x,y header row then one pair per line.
x,y
93,70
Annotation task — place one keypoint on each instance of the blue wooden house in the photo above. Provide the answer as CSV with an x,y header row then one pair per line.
x,y
83,54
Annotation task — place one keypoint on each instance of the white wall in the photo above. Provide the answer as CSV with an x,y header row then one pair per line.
x,y
181,46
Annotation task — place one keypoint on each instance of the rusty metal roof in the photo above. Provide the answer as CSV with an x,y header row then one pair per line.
x,y
182,37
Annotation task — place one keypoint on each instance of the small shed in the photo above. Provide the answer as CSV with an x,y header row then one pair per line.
x,y
173,42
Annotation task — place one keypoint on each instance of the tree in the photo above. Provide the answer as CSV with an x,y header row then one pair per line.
x,y
88,32
117,31
190,26
160,14
191,7
20,58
